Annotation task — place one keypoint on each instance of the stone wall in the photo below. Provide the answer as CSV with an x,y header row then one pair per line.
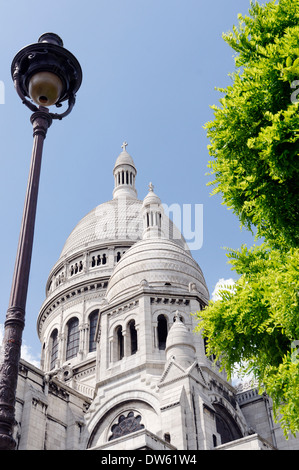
x,y
49,415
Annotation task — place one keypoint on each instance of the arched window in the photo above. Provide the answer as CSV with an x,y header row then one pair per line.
x,y
162,332
72,345
54,348
133,336
226,425
159,219
93,318
120,343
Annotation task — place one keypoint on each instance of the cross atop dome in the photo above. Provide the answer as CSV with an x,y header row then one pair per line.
x,y
124,146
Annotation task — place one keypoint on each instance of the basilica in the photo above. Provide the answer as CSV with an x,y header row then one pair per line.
x,y
121,367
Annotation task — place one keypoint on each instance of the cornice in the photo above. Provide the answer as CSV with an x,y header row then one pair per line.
x,y
64,296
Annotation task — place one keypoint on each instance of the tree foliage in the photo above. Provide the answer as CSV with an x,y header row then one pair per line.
x,y
256,322
254,143
255,134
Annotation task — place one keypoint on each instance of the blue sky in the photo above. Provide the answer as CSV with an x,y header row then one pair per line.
x,y
150,68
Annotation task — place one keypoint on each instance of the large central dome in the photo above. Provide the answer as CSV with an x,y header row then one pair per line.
x,y
119,219
113,226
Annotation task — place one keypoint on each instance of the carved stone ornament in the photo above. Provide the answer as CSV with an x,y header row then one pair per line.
x,y
126,425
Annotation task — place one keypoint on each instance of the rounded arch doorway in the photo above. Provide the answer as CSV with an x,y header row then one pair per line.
x,y
226,425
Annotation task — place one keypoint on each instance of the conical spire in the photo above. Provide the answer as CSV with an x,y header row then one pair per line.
x,y
179,343
124,173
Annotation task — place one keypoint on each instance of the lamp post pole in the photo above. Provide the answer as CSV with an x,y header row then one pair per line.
x,y
32,71
15,317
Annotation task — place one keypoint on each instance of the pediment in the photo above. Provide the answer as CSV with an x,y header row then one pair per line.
x,y
175,371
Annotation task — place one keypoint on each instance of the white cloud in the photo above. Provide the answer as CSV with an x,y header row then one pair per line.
x,y
222,284
25,350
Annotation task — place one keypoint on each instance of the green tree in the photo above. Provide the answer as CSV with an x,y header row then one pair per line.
x,y
255,134
254,143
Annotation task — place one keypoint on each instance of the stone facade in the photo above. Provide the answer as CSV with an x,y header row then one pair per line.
x,y
49,414
121,368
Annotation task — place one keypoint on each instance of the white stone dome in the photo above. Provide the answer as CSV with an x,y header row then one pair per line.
x,y
124,158
113,222
120,219
159,262
151,198
116,220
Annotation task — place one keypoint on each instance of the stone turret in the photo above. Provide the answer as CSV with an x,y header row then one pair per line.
x,y
179,343
124,173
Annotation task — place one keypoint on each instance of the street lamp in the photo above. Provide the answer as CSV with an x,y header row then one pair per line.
x,y
44,74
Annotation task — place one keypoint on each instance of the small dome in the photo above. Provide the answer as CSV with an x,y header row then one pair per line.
x,y
124,159
179,343
160,262
151,198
